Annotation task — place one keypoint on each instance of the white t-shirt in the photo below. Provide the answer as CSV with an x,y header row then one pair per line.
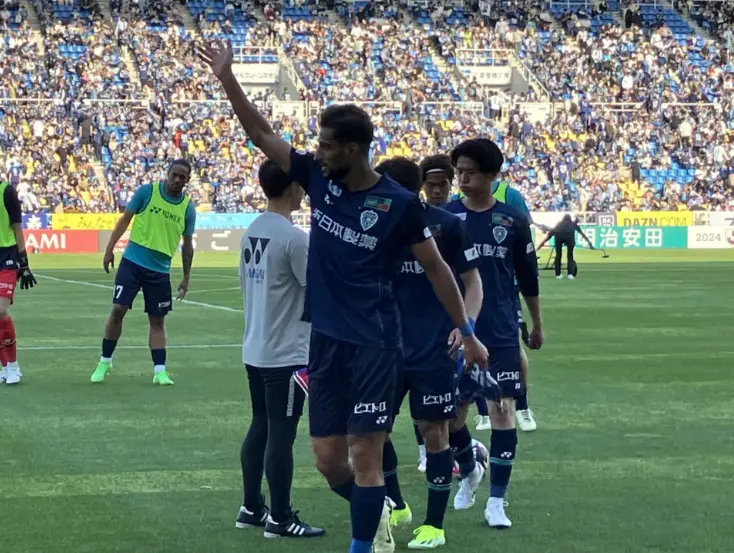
x,y
273,261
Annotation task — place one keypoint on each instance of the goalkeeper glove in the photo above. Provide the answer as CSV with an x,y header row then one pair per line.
x,y
26,278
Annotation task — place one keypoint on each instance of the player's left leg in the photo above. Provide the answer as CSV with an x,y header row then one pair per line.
x,y
470,471
158,303
11,371
433,404
505,369
523,414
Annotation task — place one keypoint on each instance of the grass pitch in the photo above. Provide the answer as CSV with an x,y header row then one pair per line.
x,y
632,392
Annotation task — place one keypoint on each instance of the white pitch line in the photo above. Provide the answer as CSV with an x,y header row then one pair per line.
x,y
107,287
197,291
182,346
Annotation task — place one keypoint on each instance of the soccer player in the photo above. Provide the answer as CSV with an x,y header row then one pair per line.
x,y
503,240
438,175
163,215
429,374
361,226
13,268
273,264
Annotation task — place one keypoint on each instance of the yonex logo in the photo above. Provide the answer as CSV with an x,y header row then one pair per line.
x,y
381,420
166,214
506,455
438,480
255,250
448,408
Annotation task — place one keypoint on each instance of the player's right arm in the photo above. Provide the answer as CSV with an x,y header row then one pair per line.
x,y
137,203
120,227
218,56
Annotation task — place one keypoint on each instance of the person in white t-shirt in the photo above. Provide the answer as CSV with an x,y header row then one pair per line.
x,y
273,261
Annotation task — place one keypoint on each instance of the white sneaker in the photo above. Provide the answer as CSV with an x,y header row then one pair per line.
x,y
12,375
495,515
384,542
464,498
525,420
571,277
559,277
483,422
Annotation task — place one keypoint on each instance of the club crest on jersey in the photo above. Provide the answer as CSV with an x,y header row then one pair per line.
x,y
499,233
368,219
334,189
502,219
380,204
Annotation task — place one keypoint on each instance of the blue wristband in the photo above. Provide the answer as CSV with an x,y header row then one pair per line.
x,y
472,323
467,330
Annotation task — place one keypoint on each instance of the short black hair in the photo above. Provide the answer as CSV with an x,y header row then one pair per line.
x,y
273,180
483,152
182,163
350,124
405,172
437,163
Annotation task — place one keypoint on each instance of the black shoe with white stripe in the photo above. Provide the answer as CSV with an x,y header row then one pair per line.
x,y
294,527
247,519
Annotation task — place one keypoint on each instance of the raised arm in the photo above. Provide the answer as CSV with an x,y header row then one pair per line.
x,y
218,56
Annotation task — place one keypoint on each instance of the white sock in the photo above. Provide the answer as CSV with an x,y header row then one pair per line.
x,y
421,451
105,359
159,369
13,365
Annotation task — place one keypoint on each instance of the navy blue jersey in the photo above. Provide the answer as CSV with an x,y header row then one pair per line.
x,y
426,324
505,246
357,246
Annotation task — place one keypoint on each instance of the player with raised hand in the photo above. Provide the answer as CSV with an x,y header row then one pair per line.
x,y
362,224
429,340
13,269
505,246
164,215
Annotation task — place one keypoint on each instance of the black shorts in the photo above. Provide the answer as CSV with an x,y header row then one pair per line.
x,y
131,277
504,370
432,393
351,388
274,393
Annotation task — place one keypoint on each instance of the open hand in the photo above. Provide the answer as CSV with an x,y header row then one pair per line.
x,y
218,56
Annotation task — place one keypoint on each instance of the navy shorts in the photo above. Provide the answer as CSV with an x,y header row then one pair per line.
x,y
351,388
131,277
501,380
431,393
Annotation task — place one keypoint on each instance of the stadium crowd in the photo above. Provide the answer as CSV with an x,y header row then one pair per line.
x,y
614,140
